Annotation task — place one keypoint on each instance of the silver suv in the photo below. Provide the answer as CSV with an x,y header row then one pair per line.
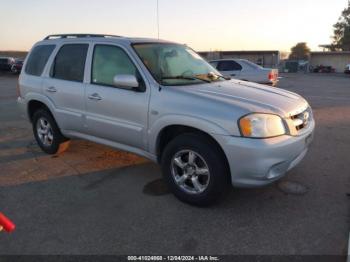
x,y
161,100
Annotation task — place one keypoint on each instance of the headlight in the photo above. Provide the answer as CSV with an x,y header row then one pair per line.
x,y
261,126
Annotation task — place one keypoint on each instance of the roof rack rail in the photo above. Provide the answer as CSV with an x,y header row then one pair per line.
x,y
60,36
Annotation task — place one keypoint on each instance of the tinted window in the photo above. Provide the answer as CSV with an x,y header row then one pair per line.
x,y
109,61
38,59
69,63
229,66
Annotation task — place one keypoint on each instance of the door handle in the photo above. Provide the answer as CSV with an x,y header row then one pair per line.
x,y
51,89
233,74
95,96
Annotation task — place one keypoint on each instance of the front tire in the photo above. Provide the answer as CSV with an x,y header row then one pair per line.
x,y
46,132
195,169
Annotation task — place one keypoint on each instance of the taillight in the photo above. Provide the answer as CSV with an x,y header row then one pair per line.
x,y
272,76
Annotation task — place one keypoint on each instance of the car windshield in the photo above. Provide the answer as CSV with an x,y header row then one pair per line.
x,y
174,64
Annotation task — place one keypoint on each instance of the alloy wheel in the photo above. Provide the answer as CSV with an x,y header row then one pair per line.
x,y
44,131
190,171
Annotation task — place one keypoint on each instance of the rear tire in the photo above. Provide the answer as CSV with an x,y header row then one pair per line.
x,y
46,132
184,163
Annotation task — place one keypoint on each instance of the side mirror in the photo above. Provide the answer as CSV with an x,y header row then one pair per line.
x,y
126,81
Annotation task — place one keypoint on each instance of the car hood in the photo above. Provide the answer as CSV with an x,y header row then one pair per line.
x,y
252,97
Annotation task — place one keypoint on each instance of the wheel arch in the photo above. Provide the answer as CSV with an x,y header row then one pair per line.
x,y
36,102
168,133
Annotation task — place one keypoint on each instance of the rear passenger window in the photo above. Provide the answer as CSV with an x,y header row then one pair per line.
x,y
229,66
38,59
109,61
69,63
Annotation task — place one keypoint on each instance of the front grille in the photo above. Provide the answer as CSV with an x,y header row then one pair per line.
x,y
302,120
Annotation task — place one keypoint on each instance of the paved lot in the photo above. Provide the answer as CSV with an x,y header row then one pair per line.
x,y
95,200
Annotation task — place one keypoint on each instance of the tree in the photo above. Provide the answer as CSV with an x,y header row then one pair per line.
x,y
341,37
300,52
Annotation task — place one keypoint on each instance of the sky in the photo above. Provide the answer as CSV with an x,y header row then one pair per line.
x,y
202,24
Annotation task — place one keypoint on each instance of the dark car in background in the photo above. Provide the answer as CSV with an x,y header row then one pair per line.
x,y
6,63
347,69
322,69
17,66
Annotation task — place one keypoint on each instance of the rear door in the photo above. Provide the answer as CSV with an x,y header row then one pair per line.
x,y
114,113
229,68
64,86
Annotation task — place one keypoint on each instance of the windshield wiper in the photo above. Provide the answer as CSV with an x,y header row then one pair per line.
x,y
211,74
185,77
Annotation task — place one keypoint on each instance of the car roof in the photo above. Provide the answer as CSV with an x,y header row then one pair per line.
x,y
228,59
72,38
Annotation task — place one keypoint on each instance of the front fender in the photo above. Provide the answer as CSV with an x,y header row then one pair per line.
x,y
181,120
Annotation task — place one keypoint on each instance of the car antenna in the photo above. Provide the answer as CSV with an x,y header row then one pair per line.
x,y
160,87
158,18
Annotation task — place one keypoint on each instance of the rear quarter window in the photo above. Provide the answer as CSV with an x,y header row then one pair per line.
x,y
38,59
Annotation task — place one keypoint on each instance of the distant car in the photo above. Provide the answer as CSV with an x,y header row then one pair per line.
x,y
347,69
245,70
6,63
322,69
17,66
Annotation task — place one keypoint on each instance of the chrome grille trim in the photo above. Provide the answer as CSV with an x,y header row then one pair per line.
x,y
302,120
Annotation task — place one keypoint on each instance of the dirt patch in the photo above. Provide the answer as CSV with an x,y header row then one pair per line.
x,y
27,163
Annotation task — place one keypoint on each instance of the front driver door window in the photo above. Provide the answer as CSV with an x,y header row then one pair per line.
x,y
109,61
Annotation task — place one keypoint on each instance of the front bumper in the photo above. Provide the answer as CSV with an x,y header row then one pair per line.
x,y
259,162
